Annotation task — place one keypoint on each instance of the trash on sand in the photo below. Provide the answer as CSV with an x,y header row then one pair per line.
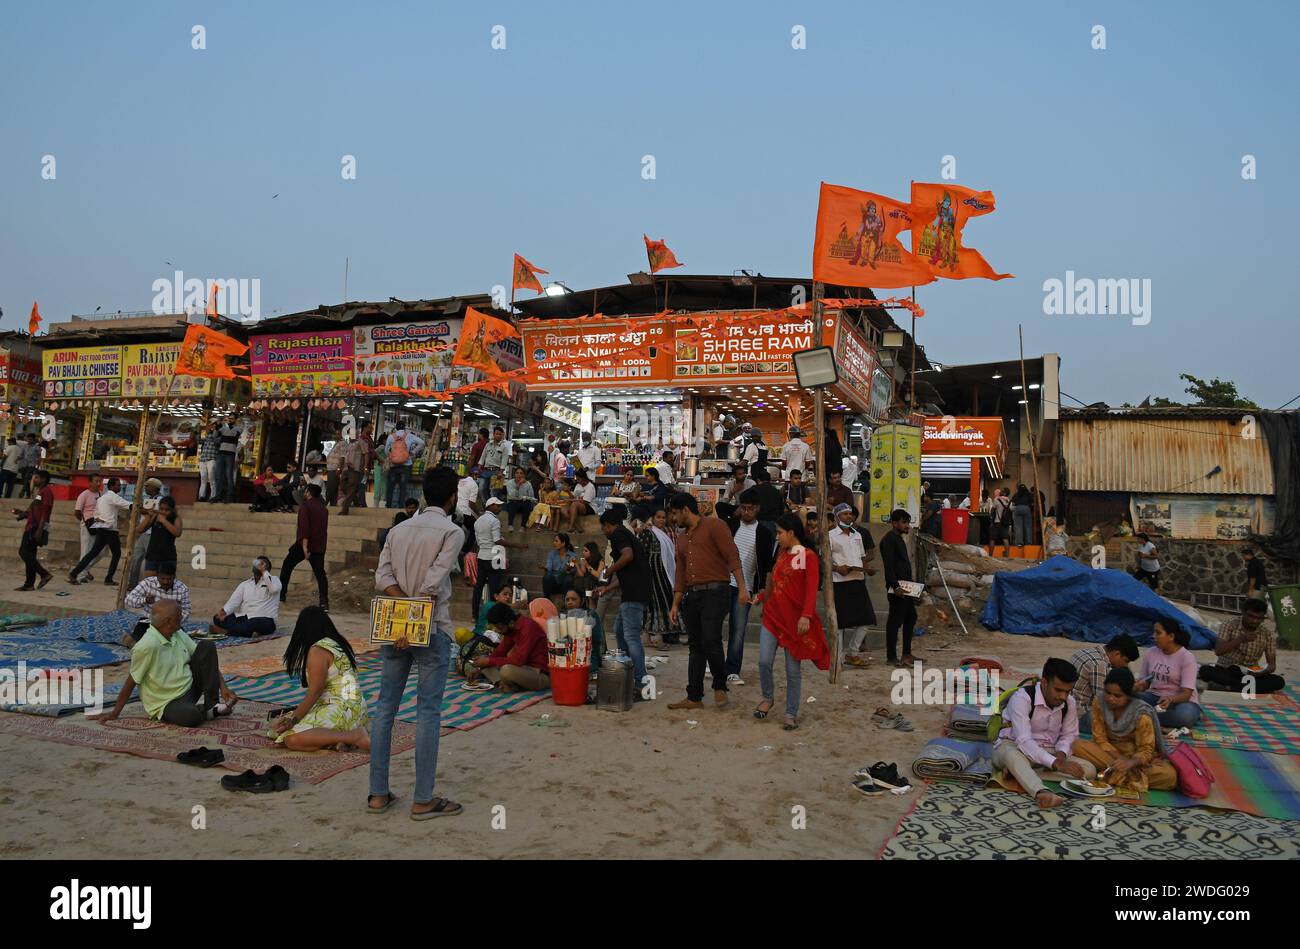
x,y
811,699
691,723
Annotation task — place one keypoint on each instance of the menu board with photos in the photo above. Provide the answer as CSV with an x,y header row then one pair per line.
x,y
393,618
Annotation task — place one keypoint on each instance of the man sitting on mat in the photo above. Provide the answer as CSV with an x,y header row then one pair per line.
x,y
254,607
519,663
1242,643
156,589
1038,734
179,681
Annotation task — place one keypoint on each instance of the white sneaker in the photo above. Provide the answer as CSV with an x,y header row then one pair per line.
x,y
734,679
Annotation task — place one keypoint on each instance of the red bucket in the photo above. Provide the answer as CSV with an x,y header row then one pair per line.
x,y
569,684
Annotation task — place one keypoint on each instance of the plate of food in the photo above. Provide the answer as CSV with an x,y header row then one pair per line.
x,y
1087,788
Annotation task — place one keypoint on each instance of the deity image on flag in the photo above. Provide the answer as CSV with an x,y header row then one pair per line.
x,y
525,276
204,352
479,334
476,351
869,240
939,239
857,241
941,213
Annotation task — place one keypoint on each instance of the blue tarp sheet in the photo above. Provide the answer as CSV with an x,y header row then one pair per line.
x,y
1062,597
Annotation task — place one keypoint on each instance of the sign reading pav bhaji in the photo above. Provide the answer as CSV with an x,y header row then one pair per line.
x,y
757,350
88,372
318,363
147,373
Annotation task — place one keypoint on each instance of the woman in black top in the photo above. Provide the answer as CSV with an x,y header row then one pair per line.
x,y
161,550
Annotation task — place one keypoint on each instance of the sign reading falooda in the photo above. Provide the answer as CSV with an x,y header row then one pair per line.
x,y
301,363
87,372
955,435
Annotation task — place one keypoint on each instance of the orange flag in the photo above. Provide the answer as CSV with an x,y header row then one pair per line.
x,y
212,300
478,334
939,212
526,276
659,255
857,241
204,353
34,323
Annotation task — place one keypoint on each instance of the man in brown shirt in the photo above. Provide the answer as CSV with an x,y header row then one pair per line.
x,y
707,559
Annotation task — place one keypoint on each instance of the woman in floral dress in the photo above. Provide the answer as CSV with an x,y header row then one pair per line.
x,y
333,712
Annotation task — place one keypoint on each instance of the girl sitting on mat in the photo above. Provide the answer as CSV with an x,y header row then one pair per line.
x,y
1169,676
1126,739
333,712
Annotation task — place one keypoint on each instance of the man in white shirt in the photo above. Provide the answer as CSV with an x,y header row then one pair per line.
x,y
104,527
584,500
84,511
13,463
755,543
467,504
795,453
589,453
493,460
152,496
851,471
665,466
851,553
254,607
491,551
162,586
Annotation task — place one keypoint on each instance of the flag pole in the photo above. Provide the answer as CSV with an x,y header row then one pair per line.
x,y
912,406
824,534
1029,421
142,462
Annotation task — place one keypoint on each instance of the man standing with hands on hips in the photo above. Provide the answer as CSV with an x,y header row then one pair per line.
x,y
707,559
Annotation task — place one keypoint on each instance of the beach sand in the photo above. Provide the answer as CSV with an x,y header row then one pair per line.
x,y
644,783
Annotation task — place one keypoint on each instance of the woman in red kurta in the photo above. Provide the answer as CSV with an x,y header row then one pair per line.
x,y
790,619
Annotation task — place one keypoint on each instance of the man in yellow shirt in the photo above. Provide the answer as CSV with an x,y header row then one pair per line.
x,y
179,680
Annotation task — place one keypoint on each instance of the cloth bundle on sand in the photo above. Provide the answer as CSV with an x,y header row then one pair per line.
x,y
953,760
1062,597
968,722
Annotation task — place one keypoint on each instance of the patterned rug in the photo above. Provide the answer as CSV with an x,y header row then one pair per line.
x,y
242,736
460,710
46,611
1269,724
953,822
270,665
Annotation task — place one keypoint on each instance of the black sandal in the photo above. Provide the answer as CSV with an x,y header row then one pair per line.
x,y
790,725
441,808
762,713
390,800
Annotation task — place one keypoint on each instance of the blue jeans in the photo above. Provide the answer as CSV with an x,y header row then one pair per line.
x,y
736,633
627,630
431,662
397,476
1022,517
767,645
485,476
224,489
1182,715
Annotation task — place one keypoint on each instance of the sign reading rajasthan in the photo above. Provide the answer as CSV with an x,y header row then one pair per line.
x,y
972,437
318,363
90,372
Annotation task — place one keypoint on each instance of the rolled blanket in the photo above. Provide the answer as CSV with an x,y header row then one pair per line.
x,y
951,760
966,721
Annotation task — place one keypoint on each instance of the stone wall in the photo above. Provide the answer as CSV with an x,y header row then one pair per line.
x,y
1192,566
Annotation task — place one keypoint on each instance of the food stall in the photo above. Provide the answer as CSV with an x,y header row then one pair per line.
x,y
20,387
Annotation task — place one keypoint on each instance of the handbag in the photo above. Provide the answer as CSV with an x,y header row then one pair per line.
x,y
1194,775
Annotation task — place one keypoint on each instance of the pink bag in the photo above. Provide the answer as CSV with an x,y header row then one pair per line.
x,y
1194,776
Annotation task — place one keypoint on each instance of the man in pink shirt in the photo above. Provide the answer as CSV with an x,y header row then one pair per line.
x,y
1039,732
84,511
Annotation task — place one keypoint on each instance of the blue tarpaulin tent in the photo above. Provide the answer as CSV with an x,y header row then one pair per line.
x,y
1062,597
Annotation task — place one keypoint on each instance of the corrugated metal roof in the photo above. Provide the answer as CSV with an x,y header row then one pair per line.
x,y
1169,455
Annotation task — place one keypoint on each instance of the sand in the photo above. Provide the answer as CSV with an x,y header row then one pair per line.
x,y
644,783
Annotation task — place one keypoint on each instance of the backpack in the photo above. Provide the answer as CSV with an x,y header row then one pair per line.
x,y
399,454
1001,511
995,720
475,646
1194,775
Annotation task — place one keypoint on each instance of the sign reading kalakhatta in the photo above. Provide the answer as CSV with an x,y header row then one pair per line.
x,y
84,373
147,371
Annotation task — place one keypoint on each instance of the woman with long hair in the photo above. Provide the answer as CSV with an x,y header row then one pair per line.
x,y
1168,676
560,566
661,552
1127,746
790,619
333,712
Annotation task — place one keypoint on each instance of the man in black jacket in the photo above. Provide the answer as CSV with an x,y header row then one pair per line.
x,y
770,501
902,609
756,543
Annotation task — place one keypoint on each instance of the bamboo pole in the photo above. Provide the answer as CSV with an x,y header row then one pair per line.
x,y
1029,422
146,439
824,544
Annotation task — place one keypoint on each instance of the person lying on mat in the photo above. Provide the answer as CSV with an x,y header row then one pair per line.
x,y
519,663
1038,733
179,681
1242,643
254,607
1168,676
1126,739
151,590
333,712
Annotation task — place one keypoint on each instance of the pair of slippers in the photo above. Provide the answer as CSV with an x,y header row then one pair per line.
x,y
202,757
884,718
275,779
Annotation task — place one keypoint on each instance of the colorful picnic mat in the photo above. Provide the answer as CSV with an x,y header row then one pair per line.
x,y
959,822
46,611
242,736
1268,723
269,665
76,700
460,710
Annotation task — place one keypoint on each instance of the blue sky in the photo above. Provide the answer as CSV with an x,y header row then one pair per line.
x,y
1117,163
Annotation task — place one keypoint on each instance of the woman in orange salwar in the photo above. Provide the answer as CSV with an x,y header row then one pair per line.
x,y
790,619
1126,739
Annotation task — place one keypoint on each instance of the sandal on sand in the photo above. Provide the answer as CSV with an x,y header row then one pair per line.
x,y
886,719
441,808
762,712
390,800
790,724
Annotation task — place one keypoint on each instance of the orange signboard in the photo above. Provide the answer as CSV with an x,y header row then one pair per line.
x,y
757,350
597,354
964,436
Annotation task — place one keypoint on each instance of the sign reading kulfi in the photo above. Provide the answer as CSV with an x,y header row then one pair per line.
x,y
147,371
88,372
318,363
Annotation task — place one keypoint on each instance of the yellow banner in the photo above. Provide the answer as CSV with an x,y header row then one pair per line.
x,y
147,369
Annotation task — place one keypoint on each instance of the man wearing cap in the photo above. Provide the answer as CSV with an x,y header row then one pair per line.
x,y
152,495
795,453
851,554
487,534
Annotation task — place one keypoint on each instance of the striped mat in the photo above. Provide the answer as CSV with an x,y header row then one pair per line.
x,y
461,711
1269,723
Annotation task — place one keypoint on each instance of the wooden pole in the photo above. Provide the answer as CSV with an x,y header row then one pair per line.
x,y
824,544
912,407
146,439
1029,422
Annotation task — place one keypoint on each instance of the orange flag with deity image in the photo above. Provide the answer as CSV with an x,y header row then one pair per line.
x,y
525,277
857,241
659,255
478,334
939,213
204,353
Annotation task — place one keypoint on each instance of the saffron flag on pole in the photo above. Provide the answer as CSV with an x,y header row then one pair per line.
x,y
212,300
659,255
857,241
525,277
478,334
939,213
34,323
204,353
